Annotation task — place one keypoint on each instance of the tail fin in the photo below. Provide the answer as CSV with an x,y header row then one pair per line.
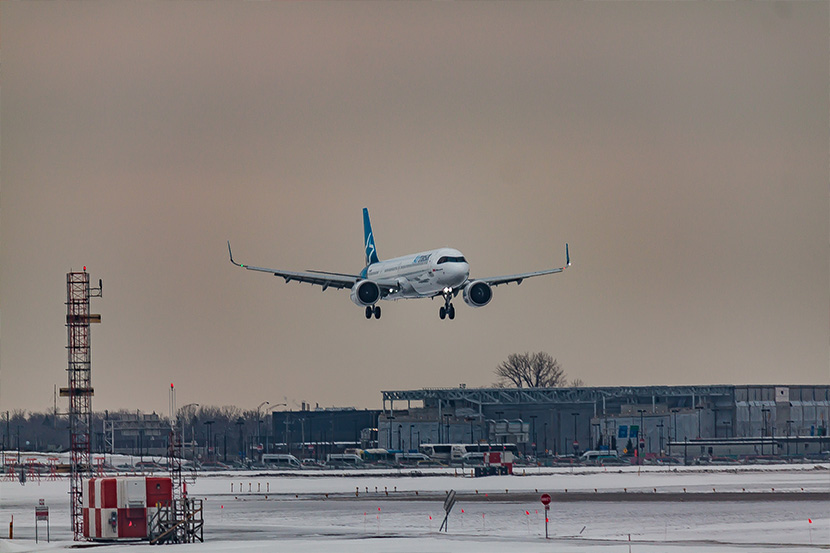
x,y
370,251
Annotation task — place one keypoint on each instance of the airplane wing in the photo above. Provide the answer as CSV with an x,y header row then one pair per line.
x,y
320,278
518,278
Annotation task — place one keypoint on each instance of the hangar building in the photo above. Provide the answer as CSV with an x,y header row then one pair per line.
x,y
560,421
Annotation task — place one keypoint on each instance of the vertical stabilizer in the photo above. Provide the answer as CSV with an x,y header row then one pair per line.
x,y
369,249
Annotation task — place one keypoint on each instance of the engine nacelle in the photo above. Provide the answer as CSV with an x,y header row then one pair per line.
x,y
477,294
365,293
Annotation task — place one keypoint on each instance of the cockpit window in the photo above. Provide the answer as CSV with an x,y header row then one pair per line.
x,y
449,259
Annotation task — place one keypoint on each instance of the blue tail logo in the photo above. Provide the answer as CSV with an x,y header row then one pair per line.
x,y
370,251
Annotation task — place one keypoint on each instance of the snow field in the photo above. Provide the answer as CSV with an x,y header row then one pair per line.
x,y
749,509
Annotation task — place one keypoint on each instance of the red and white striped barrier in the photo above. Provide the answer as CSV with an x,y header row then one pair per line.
x,y
121,507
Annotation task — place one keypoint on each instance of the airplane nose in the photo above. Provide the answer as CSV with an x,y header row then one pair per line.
x,y
460,272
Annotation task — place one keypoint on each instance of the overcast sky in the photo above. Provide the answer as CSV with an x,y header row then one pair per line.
x,y
680,148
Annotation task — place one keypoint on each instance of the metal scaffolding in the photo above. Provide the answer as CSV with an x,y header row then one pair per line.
x,y
79,391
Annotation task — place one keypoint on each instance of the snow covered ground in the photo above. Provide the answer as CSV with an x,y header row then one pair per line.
x,y
683,509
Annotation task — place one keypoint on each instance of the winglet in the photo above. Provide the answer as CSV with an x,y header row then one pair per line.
x,y
567,256
230,254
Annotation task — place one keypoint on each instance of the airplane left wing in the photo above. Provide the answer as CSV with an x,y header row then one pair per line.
x,y
319,278
518,278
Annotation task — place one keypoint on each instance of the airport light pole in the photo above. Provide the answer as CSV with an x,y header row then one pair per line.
x,y
789,423
576,441
209,444
182,416
715,420
240,423
533,430
258,422
674,412
660,436
642,440
272,420
302,435
764,412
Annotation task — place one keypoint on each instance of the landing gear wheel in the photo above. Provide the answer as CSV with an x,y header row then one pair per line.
x,y
377,312
369,312
447,309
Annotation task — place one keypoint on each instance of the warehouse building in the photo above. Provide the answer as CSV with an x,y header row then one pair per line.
x,y
657,420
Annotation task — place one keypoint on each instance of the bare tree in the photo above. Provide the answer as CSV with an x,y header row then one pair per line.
x,y
526,370
577,383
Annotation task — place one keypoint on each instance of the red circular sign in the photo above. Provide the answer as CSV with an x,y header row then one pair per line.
x,y
545,499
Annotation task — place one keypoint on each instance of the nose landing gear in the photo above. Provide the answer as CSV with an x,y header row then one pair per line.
x,y
447,310
373,310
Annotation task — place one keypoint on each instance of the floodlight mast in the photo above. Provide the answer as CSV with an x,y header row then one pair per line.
x,y
79,390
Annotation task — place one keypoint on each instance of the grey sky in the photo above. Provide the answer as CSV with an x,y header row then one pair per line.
x,y
680,148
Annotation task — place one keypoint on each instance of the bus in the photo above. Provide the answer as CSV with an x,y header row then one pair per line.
x,y
455,453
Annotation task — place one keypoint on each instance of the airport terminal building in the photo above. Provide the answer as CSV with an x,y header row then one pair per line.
x,y
657,420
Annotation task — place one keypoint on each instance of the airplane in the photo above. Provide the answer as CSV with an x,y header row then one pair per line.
x,y
442,272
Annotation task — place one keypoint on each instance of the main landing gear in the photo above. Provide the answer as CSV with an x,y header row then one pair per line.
x,y
447,310
373,310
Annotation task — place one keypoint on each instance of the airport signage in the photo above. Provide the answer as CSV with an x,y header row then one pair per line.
x,y
449,502
41,515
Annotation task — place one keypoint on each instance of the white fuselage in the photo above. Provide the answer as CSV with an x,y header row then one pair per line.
x,y
421,275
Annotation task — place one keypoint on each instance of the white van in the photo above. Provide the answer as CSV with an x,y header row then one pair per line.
x,y
282,460
410,458
594,456
343,460
474,458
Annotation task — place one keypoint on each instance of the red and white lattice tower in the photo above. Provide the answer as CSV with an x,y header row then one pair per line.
x,y
53,469
79,392
32,472
11,468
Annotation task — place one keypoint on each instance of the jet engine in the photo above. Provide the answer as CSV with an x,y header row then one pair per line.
x,y
477,294
365,293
